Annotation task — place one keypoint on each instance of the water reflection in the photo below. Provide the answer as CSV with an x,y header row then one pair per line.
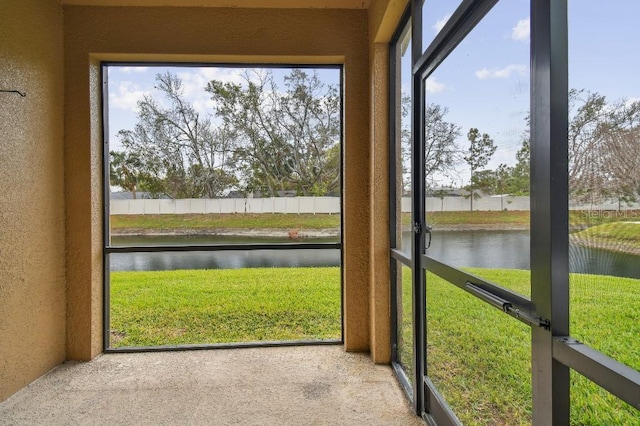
x,y
602,262
482,249
223,259
510,249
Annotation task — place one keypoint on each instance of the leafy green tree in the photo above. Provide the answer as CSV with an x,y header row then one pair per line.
x,y
312,126
504,181
481,149
125,171
285,141
485,181
519,182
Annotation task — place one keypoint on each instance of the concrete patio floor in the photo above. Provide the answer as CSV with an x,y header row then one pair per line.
x,y
307,385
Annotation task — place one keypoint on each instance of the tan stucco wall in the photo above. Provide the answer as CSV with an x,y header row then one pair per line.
x,y
286,4
41,176
206,34
32,238
384,16
379,195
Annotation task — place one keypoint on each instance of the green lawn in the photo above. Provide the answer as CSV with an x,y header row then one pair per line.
x,y
223,306
586,217
167,222
478,357
479,218
614,233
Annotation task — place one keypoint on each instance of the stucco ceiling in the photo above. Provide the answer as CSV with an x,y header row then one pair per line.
x,y
298,4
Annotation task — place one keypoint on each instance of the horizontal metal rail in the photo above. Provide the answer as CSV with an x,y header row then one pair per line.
x,y
506,306
401,257
221,247
461,278
273,65
617,378
506,300
239,345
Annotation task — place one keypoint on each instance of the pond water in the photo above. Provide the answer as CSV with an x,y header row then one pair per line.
x,y
510,249
164,261
485,249
232,259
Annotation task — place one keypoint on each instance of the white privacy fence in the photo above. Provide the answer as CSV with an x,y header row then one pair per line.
x,y
324,205
496,202
291,205
487,203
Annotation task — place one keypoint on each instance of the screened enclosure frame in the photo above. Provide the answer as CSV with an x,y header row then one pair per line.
x,y
554,351
108,248
397,256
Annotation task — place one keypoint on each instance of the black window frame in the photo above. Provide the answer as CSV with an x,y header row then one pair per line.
x,y
108,248
554,352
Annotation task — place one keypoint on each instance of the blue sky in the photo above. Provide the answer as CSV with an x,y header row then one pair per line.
x,y
484,83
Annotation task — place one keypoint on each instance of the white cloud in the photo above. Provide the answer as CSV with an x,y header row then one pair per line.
x,y
505,72
433,86
126,96
521,31
441,22
231,75
129,70
194,81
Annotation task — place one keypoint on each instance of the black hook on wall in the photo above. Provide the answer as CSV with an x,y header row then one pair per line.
x,y
23,94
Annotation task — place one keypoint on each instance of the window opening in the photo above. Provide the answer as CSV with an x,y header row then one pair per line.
x,y
223,205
